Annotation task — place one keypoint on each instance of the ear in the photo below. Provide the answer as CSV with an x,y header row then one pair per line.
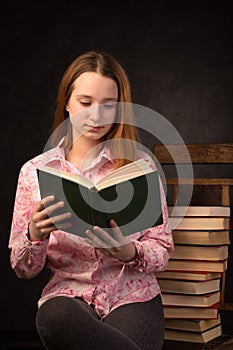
x,y
67,108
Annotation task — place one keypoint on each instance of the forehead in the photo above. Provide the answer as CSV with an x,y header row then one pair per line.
x,y
92,83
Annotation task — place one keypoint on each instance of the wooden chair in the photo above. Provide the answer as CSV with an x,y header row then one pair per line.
x,y
202,155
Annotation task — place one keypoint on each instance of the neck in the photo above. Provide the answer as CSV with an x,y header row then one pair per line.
x,y
83,152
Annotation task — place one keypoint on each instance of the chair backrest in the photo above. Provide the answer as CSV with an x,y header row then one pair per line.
x,y
203,154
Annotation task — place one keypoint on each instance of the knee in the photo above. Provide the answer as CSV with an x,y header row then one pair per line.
x,y
53,313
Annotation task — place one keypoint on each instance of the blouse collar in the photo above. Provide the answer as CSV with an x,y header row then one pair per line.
x,y
57,154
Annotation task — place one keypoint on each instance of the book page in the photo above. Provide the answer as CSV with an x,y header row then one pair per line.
x,y
126,172
72,177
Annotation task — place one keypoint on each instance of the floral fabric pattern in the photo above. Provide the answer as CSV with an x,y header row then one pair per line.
x,y
77,268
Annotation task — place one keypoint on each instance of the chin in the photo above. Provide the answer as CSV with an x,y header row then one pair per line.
x,y
95,137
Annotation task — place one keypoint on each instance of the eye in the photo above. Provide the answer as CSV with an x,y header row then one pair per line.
x,y
85,103
109,105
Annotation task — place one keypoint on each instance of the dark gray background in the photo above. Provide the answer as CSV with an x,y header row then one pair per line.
x,y
179,60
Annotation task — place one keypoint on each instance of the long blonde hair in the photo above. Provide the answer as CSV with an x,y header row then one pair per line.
x,y
108,66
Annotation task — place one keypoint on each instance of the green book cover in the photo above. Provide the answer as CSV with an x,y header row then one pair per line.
x,y
135,204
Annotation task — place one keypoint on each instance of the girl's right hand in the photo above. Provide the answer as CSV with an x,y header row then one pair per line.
x,y
42,222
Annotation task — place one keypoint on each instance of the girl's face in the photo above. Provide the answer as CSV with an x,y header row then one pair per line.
x,y
92,105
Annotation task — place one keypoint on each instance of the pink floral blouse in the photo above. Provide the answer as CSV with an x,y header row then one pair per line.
x,y
78,269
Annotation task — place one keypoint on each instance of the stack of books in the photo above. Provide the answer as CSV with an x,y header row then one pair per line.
x,y
191,285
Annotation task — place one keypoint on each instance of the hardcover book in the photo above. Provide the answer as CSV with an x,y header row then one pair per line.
x,y
192,313
192,325
203,210
189,287
197,265
200,253
205,300
197,337
130,195
201,237
200,223
188,275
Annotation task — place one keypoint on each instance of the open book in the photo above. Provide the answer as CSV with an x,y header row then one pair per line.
x,y
130,195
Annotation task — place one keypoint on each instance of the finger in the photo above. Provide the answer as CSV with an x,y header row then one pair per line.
x,y
47,212
96,240
47,200
89,241
52,221
41,204
113,223
49,229
92,238
117,234
105,237
60,218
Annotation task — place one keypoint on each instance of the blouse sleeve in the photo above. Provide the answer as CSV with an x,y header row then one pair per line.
x,y
155,245
27,258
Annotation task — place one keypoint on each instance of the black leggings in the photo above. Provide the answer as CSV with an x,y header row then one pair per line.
x,y
65,323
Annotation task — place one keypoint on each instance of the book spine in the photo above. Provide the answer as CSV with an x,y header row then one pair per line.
x,y
98,208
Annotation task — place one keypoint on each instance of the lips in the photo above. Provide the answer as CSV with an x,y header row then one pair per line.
x,y
94,128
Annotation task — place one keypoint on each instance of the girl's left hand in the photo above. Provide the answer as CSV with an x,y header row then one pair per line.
x,y
116,246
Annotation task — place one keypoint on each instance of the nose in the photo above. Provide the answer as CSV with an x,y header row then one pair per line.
x,y
95,113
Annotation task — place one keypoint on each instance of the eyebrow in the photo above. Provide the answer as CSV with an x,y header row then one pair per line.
x,y
105,99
